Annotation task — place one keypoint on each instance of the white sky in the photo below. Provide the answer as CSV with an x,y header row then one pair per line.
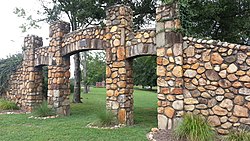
x,y
11,36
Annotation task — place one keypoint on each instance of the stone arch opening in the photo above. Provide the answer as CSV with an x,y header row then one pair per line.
x,y
148,111
41,83
93,59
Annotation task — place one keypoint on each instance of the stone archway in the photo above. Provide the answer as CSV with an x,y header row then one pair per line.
x,y
121,44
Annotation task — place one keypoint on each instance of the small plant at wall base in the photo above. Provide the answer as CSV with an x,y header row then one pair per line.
x,y
106,119
42,110
7,105
194,128
240,135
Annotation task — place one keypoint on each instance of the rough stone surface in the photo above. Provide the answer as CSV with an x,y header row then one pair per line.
x,y
232,68
212,75
214,121
169,112
177,71
216,58
227,103
178,104
240,111
219,111
190,101
190,73
162,122
244,91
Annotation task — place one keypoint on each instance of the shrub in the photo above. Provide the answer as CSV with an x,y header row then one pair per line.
x,y
106,118
194,128
7,105
241,135
42,110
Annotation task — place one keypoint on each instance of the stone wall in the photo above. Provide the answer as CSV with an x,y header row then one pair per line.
x,y
58,70
41,56
169,67
25,85
93,38
140,43
205,77
119,81
217,82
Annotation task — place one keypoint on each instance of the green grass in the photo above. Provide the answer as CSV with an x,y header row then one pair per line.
x,y
194,128
7,105
73,128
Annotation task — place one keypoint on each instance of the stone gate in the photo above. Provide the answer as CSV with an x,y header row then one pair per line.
x,y
205,77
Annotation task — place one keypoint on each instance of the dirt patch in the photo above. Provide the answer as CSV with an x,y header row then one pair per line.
x,y
168,135
6,112
162,135
91,125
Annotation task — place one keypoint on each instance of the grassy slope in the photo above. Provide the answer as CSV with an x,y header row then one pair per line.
x,y
19,127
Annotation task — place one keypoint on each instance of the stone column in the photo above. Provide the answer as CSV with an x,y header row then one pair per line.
x,y
58,70
169,66
119,70
32,77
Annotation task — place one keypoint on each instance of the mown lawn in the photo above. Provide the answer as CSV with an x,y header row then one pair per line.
x,y
73,128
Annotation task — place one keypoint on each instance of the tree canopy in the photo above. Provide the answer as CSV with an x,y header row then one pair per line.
x,y
225,20
96,67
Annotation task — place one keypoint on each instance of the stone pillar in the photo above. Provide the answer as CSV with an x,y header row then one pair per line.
x,y
169,66
32,77
119,81
58,70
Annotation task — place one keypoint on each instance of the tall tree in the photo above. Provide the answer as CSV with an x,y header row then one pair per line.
x,y
84,72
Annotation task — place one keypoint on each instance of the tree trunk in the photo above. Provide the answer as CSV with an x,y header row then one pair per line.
x,y
85,90
77,85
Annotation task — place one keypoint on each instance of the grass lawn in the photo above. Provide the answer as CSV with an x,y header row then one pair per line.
x,y
73,128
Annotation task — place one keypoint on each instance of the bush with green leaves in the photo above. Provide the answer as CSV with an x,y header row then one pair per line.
x,y
106,118
7,105
194,128
42,110
7,67
239,135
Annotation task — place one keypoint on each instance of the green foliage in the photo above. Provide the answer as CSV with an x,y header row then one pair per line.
x,y
42,110
7,67
31,22
7,105
96,67
169,1
144,71
194,128
223,20
106,119
241,135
